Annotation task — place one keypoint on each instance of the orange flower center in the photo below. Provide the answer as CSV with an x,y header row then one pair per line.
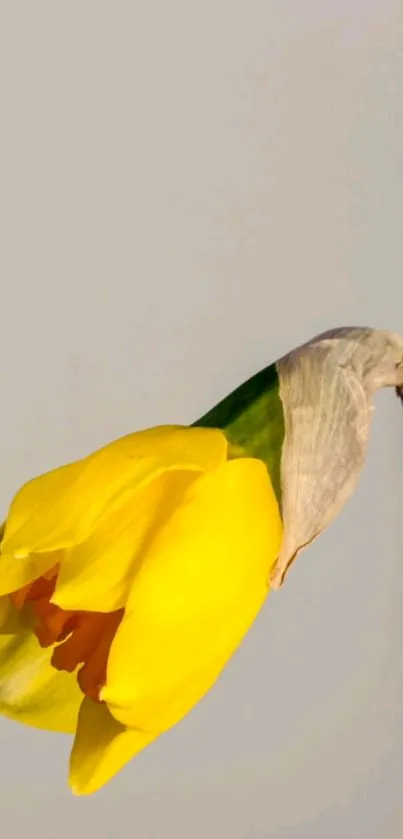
x,y
81,637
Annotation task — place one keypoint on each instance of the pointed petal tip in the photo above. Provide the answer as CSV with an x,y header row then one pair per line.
x,y
82,791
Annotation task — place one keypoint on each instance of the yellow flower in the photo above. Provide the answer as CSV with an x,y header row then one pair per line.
x,y
127,580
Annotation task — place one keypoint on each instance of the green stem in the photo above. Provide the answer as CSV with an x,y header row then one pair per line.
x,y
253,421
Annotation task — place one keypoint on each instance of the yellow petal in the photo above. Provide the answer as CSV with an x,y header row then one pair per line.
x,y
13,621
97,574
32,500
195,596
16,573
61,508
31,691
101,748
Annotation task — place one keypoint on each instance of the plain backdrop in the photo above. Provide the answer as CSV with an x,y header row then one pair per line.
x,y
188,190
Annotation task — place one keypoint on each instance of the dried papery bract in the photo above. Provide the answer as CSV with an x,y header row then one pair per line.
x,y
326,388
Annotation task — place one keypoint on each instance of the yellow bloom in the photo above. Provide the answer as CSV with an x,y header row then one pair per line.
x,y
127,580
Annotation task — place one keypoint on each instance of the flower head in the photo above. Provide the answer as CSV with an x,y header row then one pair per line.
x,y
127,580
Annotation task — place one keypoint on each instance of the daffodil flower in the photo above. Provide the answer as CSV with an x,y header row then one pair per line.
x,y
135,573
130,577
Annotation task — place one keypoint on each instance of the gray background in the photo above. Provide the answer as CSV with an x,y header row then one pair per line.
x,y
188,190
